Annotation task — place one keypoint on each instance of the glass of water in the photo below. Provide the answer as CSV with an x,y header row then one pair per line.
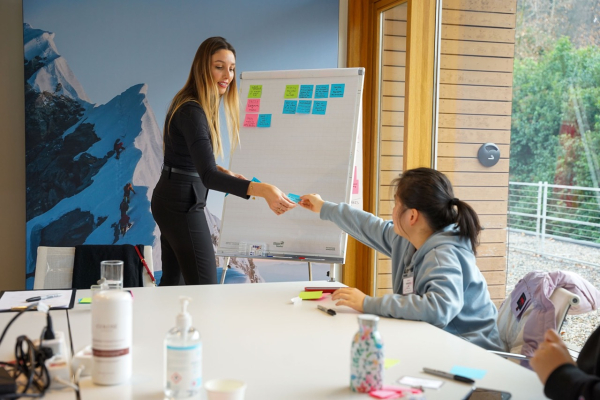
x,y
111,272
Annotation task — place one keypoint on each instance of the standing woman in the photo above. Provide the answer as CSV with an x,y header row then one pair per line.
x,y
432,241
191,142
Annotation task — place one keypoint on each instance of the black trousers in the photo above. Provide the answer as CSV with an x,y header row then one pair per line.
x,y
178,205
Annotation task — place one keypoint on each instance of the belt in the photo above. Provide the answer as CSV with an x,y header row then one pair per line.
x,y
179,171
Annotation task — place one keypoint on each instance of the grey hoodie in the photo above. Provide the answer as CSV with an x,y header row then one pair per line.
x,y
449,290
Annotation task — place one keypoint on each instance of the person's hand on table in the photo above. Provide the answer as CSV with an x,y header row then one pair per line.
x,y
312,202
551,354
350,297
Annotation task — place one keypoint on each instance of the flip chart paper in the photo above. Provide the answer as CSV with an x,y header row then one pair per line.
x,y
337,90
255,91
291,92
253,106
250,120
289,106
306,91
319,107
264,121
304,107
472,373
322,91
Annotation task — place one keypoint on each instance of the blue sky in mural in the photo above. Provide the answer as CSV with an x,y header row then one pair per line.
x,y
112,45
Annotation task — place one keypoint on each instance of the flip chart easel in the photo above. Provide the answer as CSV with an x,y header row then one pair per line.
x,y
301,131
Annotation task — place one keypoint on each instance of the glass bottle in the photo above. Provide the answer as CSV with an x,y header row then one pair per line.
x,y
366,370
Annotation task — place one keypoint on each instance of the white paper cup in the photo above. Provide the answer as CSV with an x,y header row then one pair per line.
x,y
225,389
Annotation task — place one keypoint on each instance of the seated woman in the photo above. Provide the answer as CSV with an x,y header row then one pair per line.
x,y
432,242
564,378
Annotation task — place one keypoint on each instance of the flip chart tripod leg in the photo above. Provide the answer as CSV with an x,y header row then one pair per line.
x,y
225,270
310,271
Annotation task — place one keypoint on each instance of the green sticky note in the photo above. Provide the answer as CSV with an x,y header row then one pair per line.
x,y
311,295
389,362
291,91
85,300
255,91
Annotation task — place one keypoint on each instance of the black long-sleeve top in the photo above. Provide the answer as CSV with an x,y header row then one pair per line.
x,y
578,382
188,147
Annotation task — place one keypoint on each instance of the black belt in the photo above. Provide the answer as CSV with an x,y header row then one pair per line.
x,y
180,171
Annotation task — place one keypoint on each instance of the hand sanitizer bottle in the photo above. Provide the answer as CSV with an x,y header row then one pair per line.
x,y
183,357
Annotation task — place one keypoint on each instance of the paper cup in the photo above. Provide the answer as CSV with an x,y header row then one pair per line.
x,y
225,389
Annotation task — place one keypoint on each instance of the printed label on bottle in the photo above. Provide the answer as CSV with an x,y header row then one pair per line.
x,y
184,367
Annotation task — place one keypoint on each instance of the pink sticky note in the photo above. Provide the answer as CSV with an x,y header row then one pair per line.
x,y
253,105
250,120
385,394
355,185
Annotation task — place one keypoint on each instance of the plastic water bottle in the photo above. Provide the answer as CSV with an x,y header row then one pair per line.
x,y
366,370
183,357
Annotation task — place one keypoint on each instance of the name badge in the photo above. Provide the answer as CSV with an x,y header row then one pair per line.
x,y
407,285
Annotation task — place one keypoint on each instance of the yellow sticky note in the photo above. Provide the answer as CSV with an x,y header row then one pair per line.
x,y
85,300
311,295
389,363
291,91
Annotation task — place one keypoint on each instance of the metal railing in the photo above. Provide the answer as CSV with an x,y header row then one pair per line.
x,y
565,213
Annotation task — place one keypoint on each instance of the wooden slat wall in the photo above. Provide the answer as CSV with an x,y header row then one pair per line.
x,y
391,141
474,108
476,67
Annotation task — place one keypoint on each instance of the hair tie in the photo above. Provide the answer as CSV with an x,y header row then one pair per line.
x,y
454,201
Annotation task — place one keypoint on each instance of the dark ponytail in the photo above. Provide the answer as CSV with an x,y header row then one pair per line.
x,y
430,192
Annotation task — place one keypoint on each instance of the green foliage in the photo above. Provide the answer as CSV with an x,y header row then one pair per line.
x,y
546,93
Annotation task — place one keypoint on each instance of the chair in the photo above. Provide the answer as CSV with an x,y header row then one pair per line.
x,y
54,267
512,330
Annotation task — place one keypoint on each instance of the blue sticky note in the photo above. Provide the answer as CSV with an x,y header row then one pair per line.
x,y
304,106
337,90
321,92
472,373
294,197
306,91
264,121
319,107
289,106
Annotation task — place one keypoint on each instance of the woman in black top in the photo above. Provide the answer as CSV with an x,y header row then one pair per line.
x,y
563,378
191,142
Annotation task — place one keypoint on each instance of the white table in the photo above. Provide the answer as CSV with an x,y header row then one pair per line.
x,y
283,351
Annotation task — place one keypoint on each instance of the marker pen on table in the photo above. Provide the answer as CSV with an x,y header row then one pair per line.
x,y
327,310
38,298
448,375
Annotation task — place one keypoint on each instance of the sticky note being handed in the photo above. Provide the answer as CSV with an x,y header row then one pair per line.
x,y
310,295
294,197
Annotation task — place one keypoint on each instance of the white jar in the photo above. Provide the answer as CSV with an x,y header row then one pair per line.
x,y
111,337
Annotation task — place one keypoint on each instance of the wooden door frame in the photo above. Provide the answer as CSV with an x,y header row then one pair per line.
x,y
363,44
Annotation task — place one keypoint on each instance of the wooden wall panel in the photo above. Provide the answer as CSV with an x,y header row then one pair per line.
x,y
476,66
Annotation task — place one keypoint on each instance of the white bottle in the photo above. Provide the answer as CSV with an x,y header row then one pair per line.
x,y
111,337
183,357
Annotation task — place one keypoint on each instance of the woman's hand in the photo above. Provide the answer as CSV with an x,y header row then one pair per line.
x,y
350,297
551,354
276,199
228,172
312,202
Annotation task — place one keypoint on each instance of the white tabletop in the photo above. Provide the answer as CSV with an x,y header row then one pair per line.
x,y
283,351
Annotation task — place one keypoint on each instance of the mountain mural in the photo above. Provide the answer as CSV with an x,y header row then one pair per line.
x,y
91,168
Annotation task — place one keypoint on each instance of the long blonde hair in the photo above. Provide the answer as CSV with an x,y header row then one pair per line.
x,y
201,88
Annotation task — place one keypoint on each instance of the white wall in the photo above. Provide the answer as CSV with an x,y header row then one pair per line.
x,y
12,149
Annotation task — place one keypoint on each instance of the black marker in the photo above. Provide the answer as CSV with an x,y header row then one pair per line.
x,y
448,375
327,310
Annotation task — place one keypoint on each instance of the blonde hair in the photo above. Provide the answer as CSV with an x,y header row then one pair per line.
x,y
202,89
